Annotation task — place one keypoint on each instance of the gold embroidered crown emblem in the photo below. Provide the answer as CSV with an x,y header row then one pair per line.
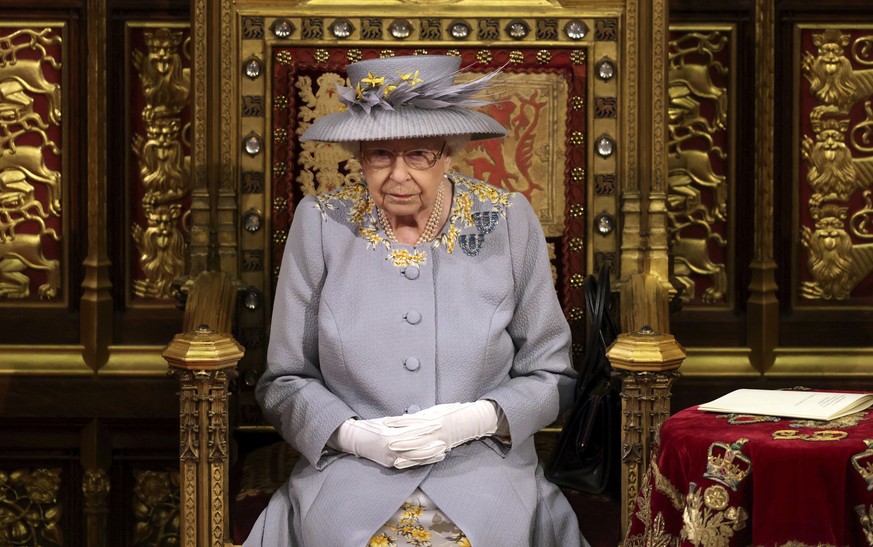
x,y
727,464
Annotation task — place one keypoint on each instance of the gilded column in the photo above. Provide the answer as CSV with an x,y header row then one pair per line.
x,y
632,245
644,248
657,260
204,110
228,200
189,456
96,314
214,193
95,488
216,443
647,363
204,362
763,306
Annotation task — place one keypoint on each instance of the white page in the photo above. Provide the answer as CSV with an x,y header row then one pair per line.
x,y
814,405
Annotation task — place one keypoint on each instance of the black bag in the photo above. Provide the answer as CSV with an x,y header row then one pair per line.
x,y
586,456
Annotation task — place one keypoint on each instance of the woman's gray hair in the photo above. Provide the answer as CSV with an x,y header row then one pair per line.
x,y
456,143
353,148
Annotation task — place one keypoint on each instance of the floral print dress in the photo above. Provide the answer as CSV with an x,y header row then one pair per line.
x,y
419,523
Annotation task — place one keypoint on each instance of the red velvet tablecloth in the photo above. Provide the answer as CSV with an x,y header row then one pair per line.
x,y
728,479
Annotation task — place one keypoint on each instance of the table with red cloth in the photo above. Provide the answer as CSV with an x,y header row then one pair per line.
x,y
730,479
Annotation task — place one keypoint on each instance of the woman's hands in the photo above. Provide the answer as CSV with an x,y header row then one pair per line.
x,y
400,446
417,439
459,422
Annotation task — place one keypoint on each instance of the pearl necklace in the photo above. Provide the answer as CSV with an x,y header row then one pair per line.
x,y
430,228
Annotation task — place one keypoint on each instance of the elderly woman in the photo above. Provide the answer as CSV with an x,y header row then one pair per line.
x,y
417,341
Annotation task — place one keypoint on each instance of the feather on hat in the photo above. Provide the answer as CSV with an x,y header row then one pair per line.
x,y
407,97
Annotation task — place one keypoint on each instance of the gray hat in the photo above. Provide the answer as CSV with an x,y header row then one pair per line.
x,y
404,98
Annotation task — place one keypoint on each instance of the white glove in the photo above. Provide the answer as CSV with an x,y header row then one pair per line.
x,y
461,422
400,446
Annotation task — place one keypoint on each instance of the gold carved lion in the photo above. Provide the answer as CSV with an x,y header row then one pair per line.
x,y
836,264
833,173
831,77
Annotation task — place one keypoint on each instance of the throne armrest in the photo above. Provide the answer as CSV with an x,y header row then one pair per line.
x,y
204,357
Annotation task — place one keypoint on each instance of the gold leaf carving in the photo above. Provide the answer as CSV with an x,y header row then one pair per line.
x,y
697,202
831,78
162,247
164,168
833,173
217,415
156,507
29,72
95,488
30,190
862,50
29,508
189,430
835,262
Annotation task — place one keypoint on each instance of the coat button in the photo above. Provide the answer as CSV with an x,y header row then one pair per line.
x,y
413,409
412,364
413,317
411,272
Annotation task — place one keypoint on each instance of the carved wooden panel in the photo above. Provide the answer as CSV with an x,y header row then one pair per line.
x,y
700,155
159,89
32,509
712,189
33,258
155,505
834,192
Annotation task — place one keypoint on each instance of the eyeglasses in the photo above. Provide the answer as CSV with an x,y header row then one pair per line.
x,y
420,160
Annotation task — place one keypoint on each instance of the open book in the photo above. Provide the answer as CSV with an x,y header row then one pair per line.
x,y
810,405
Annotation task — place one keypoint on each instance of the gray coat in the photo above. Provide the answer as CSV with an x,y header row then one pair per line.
x,y
368,328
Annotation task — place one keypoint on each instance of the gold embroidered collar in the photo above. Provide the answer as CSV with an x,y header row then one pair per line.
x,y
467,226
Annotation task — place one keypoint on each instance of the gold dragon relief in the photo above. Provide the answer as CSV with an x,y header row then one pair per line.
x,y
30,177
164,163
698,113
838,159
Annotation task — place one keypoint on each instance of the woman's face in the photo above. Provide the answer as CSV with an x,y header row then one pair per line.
x,y
397,188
